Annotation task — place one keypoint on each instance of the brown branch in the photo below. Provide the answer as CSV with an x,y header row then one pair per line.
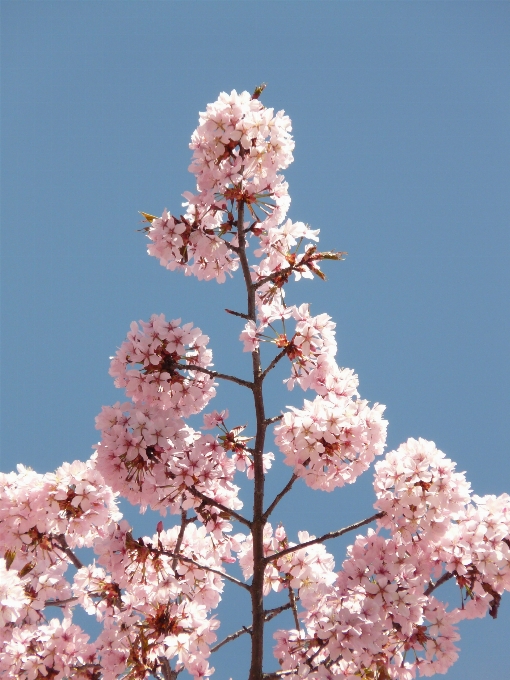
x,y
258,522
230,638
243,316
220,506
168,673
275,419
308,260
184,523
277,358
325,537
96,667
215,374
274,275
268,615
188,560
59,603
292,602
442,579
279,497
67,551
232,247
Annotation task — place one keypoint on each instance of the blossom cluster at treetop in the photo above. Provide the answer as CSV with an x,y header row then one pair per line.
x,y
376,616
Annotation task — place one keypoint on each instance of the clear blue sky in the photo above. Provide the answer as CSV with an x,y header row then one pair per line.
x,y
401,120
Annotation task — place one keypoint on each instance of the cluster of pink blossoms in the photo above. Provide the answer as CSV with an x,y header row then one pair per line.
x,y
155,365
42,519
378,617
238,150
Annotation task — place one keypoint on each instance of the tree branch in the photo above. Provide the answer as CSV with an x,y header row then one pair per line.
x,y
67,550
271,277
268,615
215,374
243,316
442,579
325,537
168,673
258,522
59,603
275,419
279,497
232,247
220,506
188,560
184,523
292,602
277,358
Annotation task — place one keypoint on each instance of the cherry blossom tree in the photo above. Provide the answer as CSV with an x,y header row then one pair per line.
x,y
376,617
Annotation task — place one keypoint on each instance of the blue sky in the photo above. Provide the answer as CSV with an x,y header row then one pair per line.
x,y
400,113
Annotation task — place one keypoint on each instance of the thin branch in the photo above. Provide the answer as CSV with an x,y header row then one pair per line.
x,y
168,673
59,603
332,662
230,638
277,358
292,602
85,666
275,419
243,316
325,537
188,560
220,506
67,550
442,579
184,524
279,497
215,374
271,613
235,249
274,275
268,615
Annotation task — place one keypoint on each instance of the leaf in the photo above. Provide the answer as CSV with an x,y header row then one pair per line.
x,y
237,430
9,558
148,218
26,569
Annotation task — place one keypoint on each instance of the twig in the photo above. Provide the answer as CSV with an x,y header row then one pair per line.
x,y
292,602
67,550
325,537
271,613
215,374
230,638
274,275
279,497
279,674
59,603
275,419
442,579
232,247
168,673
268,615
276,359
188,560
243,316
220,506
184,524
